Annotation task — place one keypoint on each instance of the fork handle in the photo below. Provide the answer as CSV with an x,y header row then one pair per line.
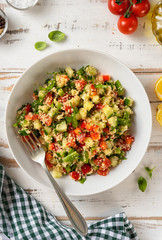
x,y
74,215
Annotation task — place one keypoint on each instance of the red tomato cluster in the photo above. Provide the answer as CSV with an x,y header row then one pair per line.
x,y
129,11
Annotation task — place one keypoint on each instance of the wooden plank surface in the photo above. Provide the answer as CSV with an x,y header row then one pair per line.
x,y
87,24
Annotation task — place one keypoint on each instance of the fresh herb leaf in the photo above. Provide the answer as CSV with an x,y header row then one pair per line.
x,y
56,36
46,133
40,46
150,171
23,133
142,183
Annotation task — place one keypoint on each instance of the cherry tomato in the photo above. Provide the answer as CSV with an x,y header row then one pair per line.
x,y
83,125
95,128
127,25
74,175
86,168
48,98
103,172
51,146
118,7
140,8
80,84
48,158
98,161
106,163
67,108
35,116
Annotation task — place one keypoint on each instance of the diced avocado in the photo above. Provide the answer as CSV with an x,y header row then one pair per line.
x,y
114,161
91,71
61,92
113,121
37,124
71,157
56,174
69,71
83,113
108,111
61,127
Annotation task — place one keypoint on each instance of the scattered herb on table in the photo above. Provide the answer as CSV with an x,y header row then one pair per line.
x,y
142,183
56,36
40,46
149,171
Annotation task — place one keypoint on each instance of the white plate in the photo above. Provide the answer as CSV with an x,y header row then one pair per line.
x,y
106,64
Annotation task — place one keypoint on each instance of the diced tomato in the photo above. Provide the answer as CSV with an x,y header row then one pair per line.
x,y
121,101
48,98
86,168
48,158
103,145
77,131
65,98
106,163
81,137
89,127
71,140
35,97
106,130
98,161
41,132
93,90
80,84
95,136
103,172
47,120
27,108
51,146
99,106
67,108
75,175
80,147
129,139
35,116
29,116
95,128
64,170
83,125
106,78
70,128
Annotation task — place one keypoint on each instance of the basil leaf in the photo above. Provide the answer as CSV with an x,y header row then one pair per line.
x,y
56,36
40,46
149,171
142,184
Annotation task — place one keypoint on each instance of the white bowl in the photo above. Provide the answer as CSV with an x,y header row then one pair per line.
x,y
106,64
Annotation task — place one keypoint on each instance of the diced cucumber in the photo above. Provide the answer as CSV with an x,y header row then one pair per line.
x,y
69,71
117,151
113,121
71,157
114,161
96,99
47,130
61,127
44,108
83,113
91,71
88,142
56,174
88,105
41,94
61,92
108,111
37,124
128,101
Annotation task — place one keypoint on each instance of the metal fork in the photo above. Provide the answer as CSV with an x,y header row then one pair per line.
x,y
37,154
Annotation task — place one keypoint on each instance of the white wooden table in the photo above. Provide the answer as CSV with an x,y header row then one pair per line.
x,y
87,24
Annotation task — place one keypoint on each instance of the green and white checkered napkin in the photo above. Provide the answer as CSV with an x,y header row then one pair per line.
x,y
23,218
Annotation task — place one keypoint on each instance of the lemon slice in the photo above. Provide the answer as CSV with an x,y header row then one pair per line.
x,y
158,88
159,114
